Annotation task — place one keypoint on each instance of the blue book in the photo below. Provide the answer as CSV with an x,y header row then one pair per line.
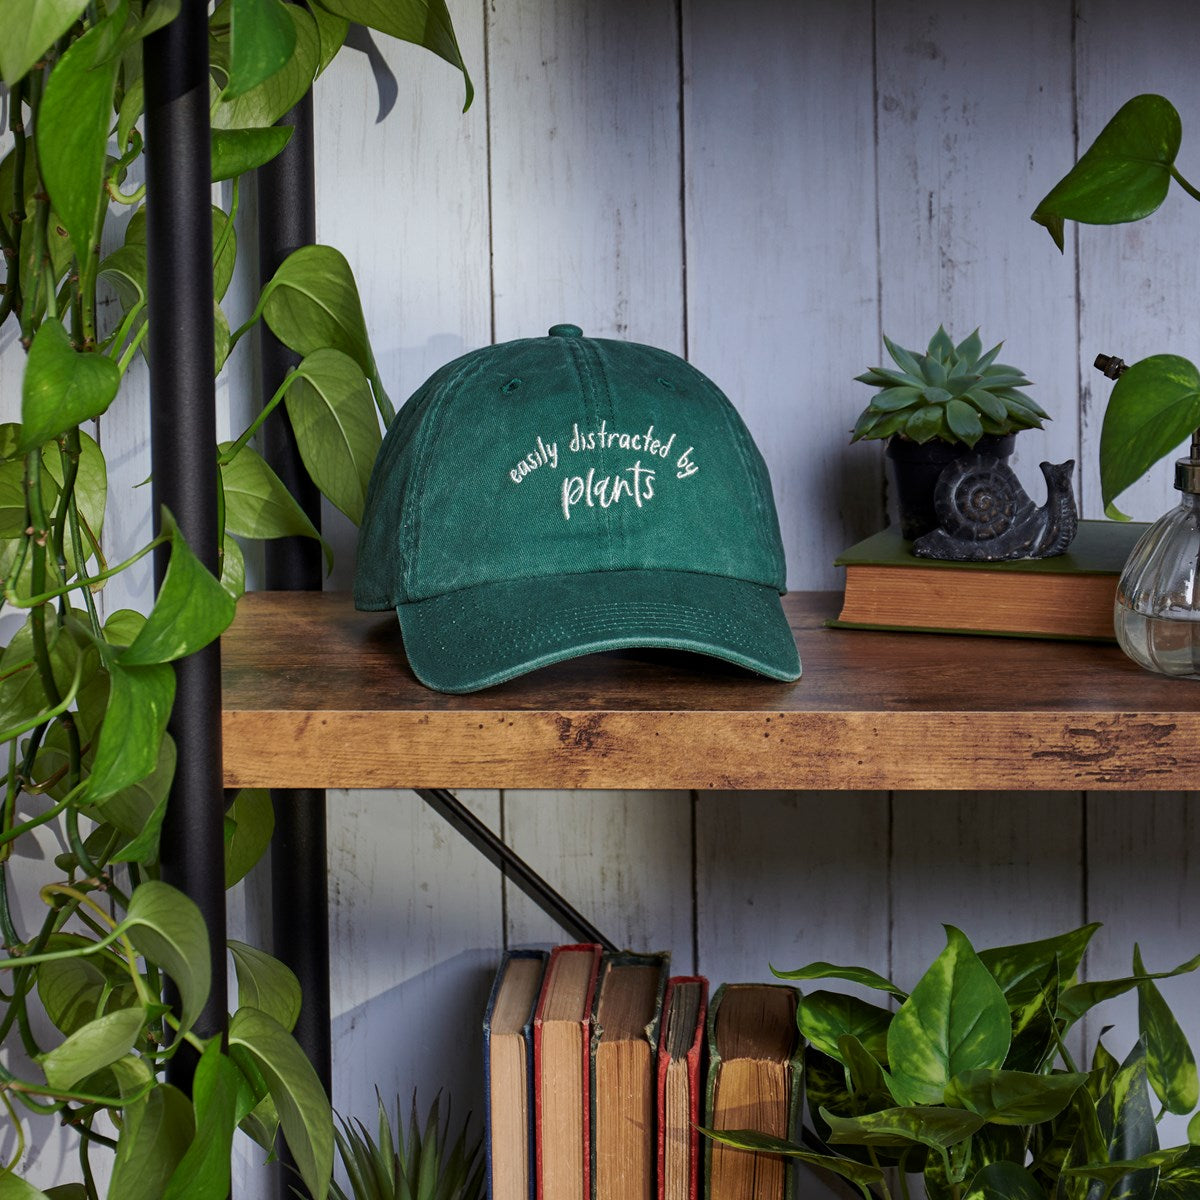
x,y
508,1075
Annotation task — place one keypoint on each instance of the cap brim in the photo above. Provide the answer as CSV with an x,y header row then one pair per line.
x,y
480,636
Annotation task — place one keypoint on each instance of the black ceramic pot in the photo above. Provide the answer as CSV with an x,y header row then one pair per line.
x,y
916,467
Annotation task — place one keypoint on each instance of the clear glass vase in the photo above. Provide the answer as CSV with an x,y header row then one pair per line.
x,y
1157,610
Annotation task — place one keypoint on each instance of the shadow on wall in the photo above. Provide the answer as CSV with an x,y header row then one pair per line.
x,y
393,1041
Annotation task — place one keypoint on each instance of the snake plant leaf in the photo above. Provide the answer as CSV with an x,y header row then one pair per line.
x,y
191,610
257,505
336,425
825,1017
61,386
1170,1063
1004,1181
860,975
249,824
262,38
1123,175
236,151
762,1143
1154,407
303,1107
31,27
166,927
204,1169
955,1020
72,134
1081,997
262,105
154,1138
95,1045
266,984
139,704
423,22
1013,1097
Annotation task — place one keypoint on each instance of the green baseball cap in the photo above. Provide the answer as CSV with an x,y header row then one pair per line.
x,y
555,496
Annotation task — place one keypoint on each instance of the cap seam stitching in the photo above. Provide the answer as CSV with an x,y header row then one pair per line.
x,y
424,458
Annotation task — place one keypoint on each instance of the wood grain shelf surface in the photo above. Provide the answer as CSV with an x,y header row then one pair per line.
x,y
319,695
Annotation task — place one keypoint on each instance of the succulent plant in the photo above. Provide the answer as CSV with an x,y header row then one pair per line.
x,y
423,1166
955,393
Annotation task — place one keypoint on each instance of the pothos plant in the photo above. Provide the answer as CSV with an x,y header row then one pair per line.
x,y
1124,176
85,693
970,1083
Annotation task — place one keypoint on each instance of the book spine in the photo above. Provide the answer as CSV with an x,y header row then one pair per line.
x,y
539,1082
527,1034
694,1073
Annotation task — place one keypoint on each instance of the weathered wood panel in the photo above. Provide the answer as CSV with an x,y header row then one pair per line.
x,y
970,120
782,275
1137,283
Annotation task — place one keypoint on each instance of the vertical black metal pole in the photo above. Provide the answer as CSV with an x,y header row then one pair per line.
x,y
300,902
183,446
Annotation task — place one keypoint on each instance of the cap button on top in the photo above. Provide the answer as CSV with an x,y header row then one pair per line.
x,y
565,331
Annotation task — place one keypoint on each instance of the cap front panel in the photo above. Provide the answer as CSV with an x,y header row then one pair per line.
x,y
712,497
489,499
565,455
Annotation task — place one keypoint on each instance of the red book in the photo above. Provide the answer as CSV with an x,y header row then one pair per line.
x,y
561,1044
680,1050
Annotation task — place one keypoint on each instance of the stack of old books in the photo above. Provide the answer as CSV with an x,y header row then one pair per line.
x,y
599,1068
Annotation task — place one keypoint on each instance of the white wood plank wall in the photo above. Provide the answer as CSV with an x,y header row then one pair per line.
x,y
764,188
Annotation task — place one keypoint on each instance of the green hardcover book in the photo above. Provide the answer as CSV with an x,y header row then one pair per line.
x,y
755,1081
1068,596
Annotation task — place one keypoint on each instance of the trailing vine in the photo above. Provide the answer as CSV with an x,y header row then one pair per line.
x,y
85,693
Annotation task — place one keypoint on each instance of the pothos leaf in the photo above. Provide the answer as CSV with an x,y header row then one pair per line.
x,y
61,387
424,22
72,133
1170,1063
191,610
139,703
154,1138
31,27
261,40
303,1107
955,1020
1123,175
167,927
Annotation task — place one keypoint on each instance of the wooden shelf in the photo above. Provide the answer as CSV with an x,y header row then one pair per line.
x,y
319,695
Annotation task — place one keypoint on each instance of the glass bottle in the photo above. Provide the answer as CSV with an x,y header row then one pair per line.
x,y
1157,610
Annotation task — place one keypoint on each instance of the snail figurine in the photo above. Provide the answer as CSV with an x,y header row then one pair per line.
x,y
985,515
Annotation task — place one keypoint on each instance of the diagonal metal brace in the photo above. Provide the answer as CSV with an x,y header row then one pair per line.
x,y
500,854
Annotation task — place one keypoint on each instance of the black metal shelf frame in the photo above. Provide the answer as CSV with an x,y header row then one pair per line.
x,y
183,444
